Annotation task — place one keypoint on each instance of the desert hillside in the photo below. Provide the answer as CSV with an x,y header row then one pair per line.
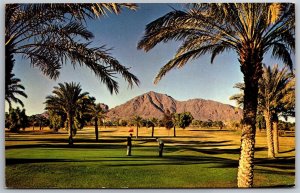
x,y
152,104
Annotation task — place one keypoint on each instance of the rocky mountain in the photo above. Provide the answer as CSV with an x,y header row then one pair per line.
x,y
154,104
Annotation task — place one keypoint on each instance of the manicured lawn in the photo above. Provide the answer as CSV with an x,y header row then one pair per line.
x,y
195,159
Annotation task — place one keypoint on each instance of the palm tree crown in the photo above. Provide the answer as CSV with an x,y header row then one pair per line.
x,y
276,90
69,99
215,28
50,34
66,97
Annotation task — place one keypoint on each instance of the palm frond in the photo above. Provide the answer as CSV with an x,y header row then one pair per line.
x,y
281,52
244,27
180,60
50,34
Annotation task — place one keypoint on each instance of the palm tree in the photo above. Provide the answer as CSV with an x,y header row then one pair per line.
x,y
275,98
152,123
13,87
97,111
181,120
274,88
137,121
16,119
176,121
51,34
67,98
249,29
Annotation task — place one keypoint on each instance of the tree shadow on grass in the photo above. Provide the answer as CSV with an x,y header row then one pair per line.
x,y
288,151
270,171
200,143
283,163
216,151
75,146
212,130
133,161
280,186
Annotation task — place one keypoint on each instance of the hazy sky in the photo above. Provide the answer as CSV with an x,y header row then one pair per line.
x,y
198,79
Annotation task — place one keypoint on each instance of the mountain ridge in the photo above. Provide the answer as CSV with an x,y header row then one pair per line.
x,y
153,104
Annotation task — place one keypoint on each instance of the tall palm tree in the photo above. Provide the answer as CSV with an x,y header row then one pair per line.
x,y
51,34
67,98
274,88
275,98
249,29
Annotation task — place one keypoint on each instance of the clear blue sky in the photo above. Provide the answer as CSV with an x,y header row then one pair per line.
x,y
198,79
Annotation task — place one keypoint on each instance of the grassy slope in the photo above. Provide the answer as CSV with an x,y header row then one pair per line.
x,y
194,159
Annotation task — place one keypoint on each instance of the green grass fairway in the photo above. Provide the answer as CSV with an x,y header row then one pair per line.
x,y
197,158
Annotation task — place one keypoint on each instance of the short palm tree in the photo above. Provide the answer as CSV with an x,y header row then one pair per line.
x,y
249,29
67,98
153,122
51,34
97,111
176,121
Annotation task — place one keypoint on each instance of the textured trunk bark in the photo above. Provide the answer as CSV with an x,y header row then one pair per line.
x,y
152,132
174,131
270,143
275,134
137,132
251,67
70,128
96,129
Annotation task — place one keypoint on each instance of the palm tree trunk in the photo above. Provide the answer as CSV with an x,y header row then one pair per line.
x,y
153,131
246,161
70,128
270,143
251,67
137,132
174,131
275,134
96,129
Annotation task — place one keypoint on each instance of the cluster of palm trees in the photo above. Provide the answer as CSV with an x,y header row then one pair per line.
x,y
16,119
49,34
169,121
276,97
